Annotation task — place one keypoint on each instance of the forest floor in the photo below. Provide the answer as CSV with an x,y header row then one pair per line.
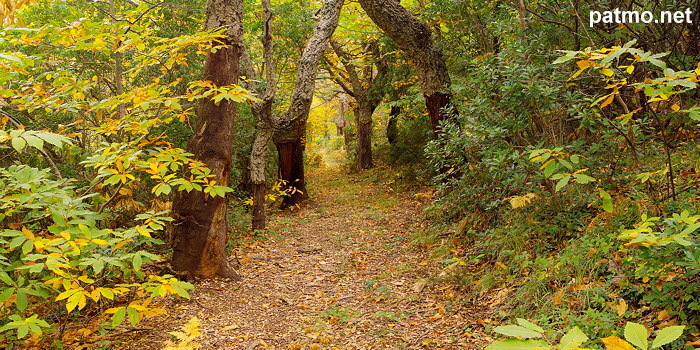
x,y
343,272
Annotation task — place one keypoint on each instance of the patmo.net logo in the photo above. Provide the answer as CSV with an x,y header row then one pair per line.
x,y
618,16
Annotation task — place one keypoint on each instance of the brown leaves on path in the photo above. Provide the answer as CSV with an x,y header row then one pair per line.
x,y
340,273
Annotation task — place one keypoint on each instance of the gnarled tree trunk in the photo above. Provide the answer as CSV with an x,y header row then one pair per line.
x,y
414,37
199,231
264,119
289,132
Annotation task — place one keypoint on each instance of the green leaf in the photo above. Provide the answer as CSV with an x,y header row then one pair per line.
x,y
54,139
133,316
567,164
34,141
607,201
18,143
21,300
517,344
113,180
694,113
6,278
529,325
22,331
637,334
550,169
572,339
98,266
567,57
6,294
583,178
58,218
12,58
517,331
27,247
563,182
658,63
137,262
118,317
667,335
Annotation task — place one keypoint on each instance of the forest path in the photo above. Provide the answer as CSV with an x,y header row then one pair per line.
x,y
340,273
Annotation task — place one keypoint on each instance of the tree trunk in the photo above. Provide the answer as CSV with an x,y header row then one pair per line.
x,y
264,118
291,158
259,191
363,119
436,104
199,231
392,128
257,168
291,127
414,37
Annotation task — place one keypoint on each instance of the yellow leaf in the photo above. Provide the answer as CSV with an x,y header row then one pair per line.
x,y
230,328
435,317
608,100
583,64
142,231
615,343
630,69
663,315
621,307
675,108
607,71
27,233
95,295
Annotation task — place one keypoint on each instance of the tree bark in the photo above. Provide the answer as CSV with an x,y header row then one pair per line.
x,y
413,36
289,132
265,119
363,119
199,231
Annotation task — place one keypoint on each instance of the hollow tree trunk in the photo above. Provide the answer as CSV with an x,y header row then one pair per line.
x,y
291,166
414,37
199,231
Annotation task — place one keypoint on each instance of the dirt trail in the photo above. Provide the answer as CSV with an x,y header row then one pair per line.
x,y
340,273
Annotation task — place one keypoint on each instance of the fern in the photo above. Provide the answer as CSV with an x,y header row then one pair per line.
x,y
186,337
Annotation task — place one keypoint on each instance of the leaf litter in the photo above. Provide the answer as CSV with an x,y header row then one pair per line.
x,y
339,273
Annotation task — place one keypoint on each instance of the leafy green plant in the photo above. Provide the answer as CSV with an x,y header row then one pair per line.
x,y
665,257
529,336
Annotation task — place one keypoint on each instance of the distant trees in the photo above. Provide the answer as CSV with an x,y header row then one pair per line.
x,y
414,36
360,81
